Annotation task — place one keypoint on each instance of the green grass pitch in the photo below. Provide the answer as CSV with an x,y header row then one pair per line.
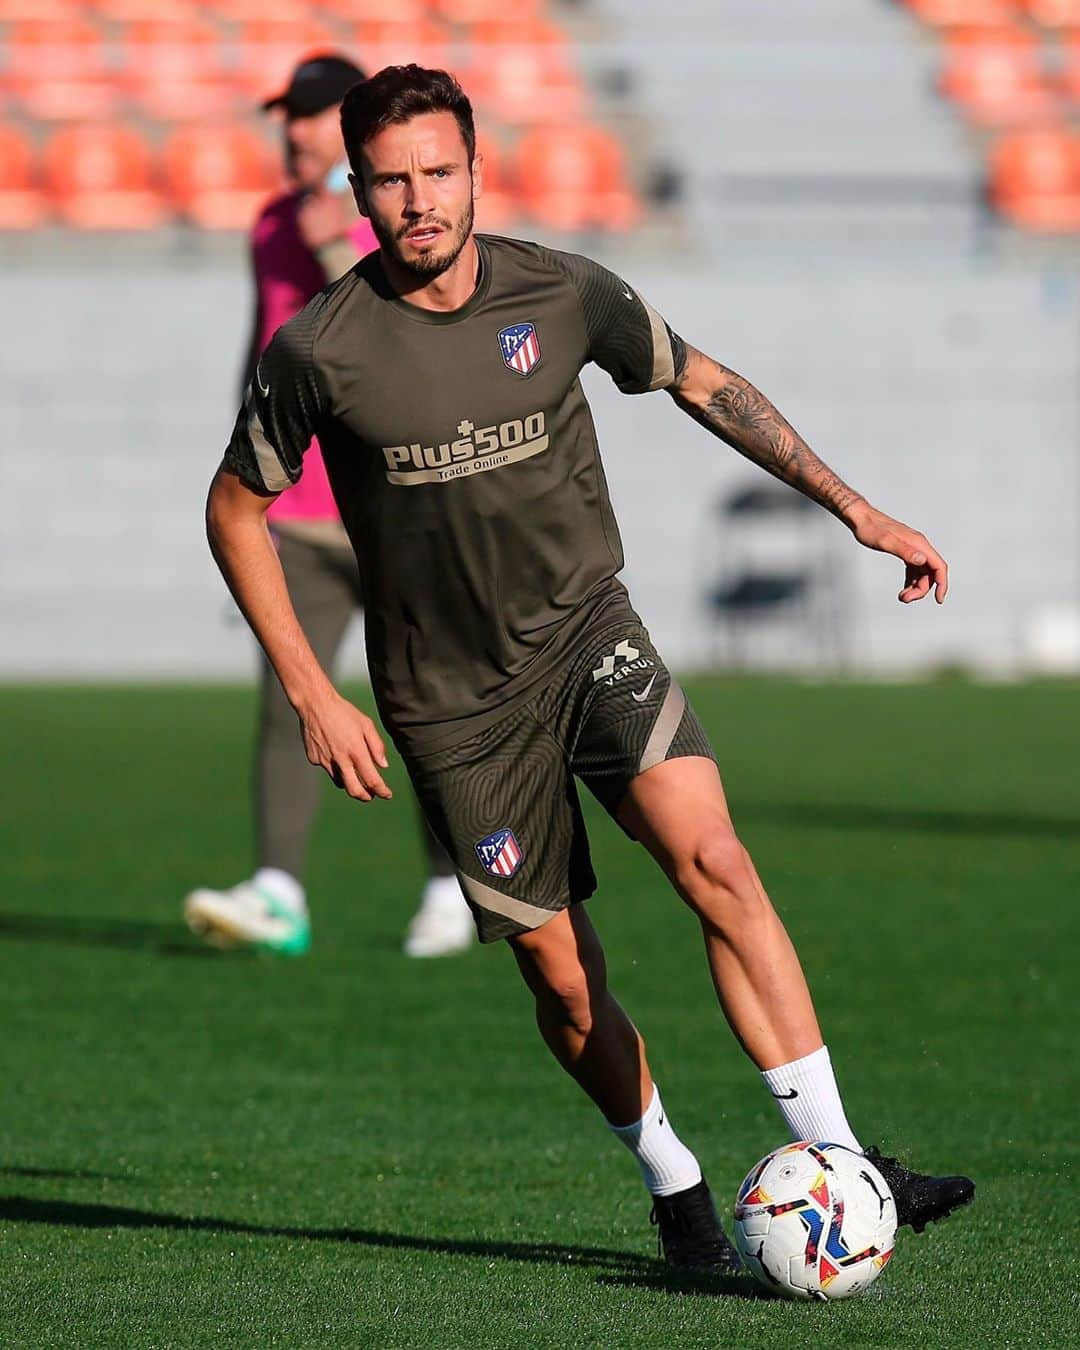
x,y
356,1150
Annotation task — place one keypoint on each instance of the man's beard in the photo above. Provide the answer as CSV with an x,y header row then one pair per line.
x,y
425,267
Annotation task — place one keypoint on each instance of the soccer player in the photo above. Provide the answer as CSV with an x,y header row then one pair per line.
x,y
302,239
441,375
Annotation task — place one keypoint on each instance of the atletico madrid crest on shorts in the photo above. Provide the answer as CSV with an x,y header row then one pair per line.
x,y
500,853
520,347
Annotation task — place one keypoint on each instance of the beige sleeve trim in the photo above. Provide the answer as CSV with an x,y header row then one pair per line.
x,y
663,372
273,475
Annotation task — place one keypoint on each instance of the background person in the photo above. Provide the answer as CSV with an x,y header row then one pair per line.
x,y
303,239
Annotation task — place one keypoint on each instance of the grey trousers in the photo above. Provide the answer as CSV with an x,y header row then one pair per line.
x,y
325,590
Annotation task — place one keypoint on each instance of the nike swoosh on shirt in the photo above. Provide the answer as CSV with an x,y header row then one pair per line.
x,y
264,389
640,698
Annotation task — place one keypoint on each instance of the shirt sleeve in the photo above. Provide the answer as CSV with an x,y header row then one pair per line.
x,y
627,337
280,413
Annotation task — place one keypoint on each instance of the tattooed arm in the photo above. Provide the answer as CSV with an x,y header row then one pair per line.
x,y
731,408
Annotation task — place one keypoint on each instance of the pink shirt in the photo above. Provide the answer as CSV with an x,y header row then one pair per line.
x,y
287,275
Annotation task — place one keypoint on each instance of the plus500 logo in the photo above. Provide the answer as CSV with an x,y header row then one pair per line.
x,y
471,444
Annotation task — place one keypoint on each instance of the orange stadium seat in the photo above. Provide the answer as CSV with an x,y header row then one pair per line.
x,y
522,72
136,11
1035,179
996,75
247,11
574,178
374,11
479,11
174,69
11,11
1054,13
961,13
219,176
58,69
269,50
496,208
389,43
101,178
22,205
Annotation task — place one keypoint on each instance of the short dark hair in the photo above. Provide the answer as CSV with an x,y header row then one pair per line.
x,y
398,94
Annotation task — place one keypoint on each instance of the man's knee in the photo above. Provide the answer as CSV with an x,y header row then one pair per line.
x,y
563,964
717,881
568,997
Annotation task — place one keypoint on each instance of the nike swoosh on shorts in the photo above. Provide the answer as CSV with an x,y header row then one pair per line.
x,y
640,698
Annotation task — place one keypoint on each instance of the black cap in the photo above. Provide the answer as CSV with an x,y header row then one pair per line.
x,y
317,83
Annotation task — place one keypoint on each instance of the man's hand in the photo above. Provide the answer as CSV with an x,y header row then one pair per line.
x,y
322,217
337,736
924,566
341,739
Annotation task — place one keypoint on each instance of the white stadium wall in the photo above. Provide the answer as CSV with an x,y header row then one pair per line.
x,y
949,396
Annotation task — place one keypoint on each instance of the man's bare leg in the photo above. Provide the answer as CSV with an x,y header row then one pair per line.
x,y
597,1044
679,812
584,1027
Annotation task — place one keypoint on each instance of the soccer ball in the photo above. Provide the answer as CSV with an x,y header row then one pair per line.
x,y
815,1220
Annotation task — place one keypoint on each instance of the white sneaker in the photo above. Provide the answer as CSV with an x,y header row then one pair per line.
x,y
443,924
247,916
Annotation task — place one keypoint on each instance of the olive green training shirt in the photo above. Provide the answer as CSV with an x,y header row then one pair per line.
x,y
463,457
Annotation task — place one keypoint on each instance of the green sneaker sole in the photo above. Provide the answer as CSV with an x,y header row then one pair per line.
x,y
296,942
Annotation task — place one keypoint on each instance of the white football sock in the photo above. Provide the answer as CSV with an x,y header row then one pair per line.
x,y
809,1100
283,887
666,1163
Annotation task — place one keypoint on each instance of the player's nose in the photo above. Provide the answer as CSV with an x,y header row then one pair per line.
x,y
420,198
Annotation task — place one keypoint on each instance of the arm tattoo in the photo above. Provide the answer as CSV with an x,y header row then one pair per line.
x,y
744,418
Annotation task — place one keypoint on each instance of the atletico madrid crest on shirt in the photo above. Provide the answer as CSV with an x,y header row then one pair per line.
x,y
500,853
520,347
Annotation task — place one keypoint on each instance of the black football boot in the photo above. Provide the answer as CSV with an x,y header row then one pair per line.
x,y
690,1233
921,1199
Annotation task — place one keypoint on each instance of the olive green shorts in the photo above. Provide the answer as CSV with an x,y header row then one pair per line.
x,y
504,802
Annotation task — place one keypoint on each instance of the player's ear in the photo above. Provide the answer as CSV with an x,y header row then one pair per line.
x,y
358,194
477,175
